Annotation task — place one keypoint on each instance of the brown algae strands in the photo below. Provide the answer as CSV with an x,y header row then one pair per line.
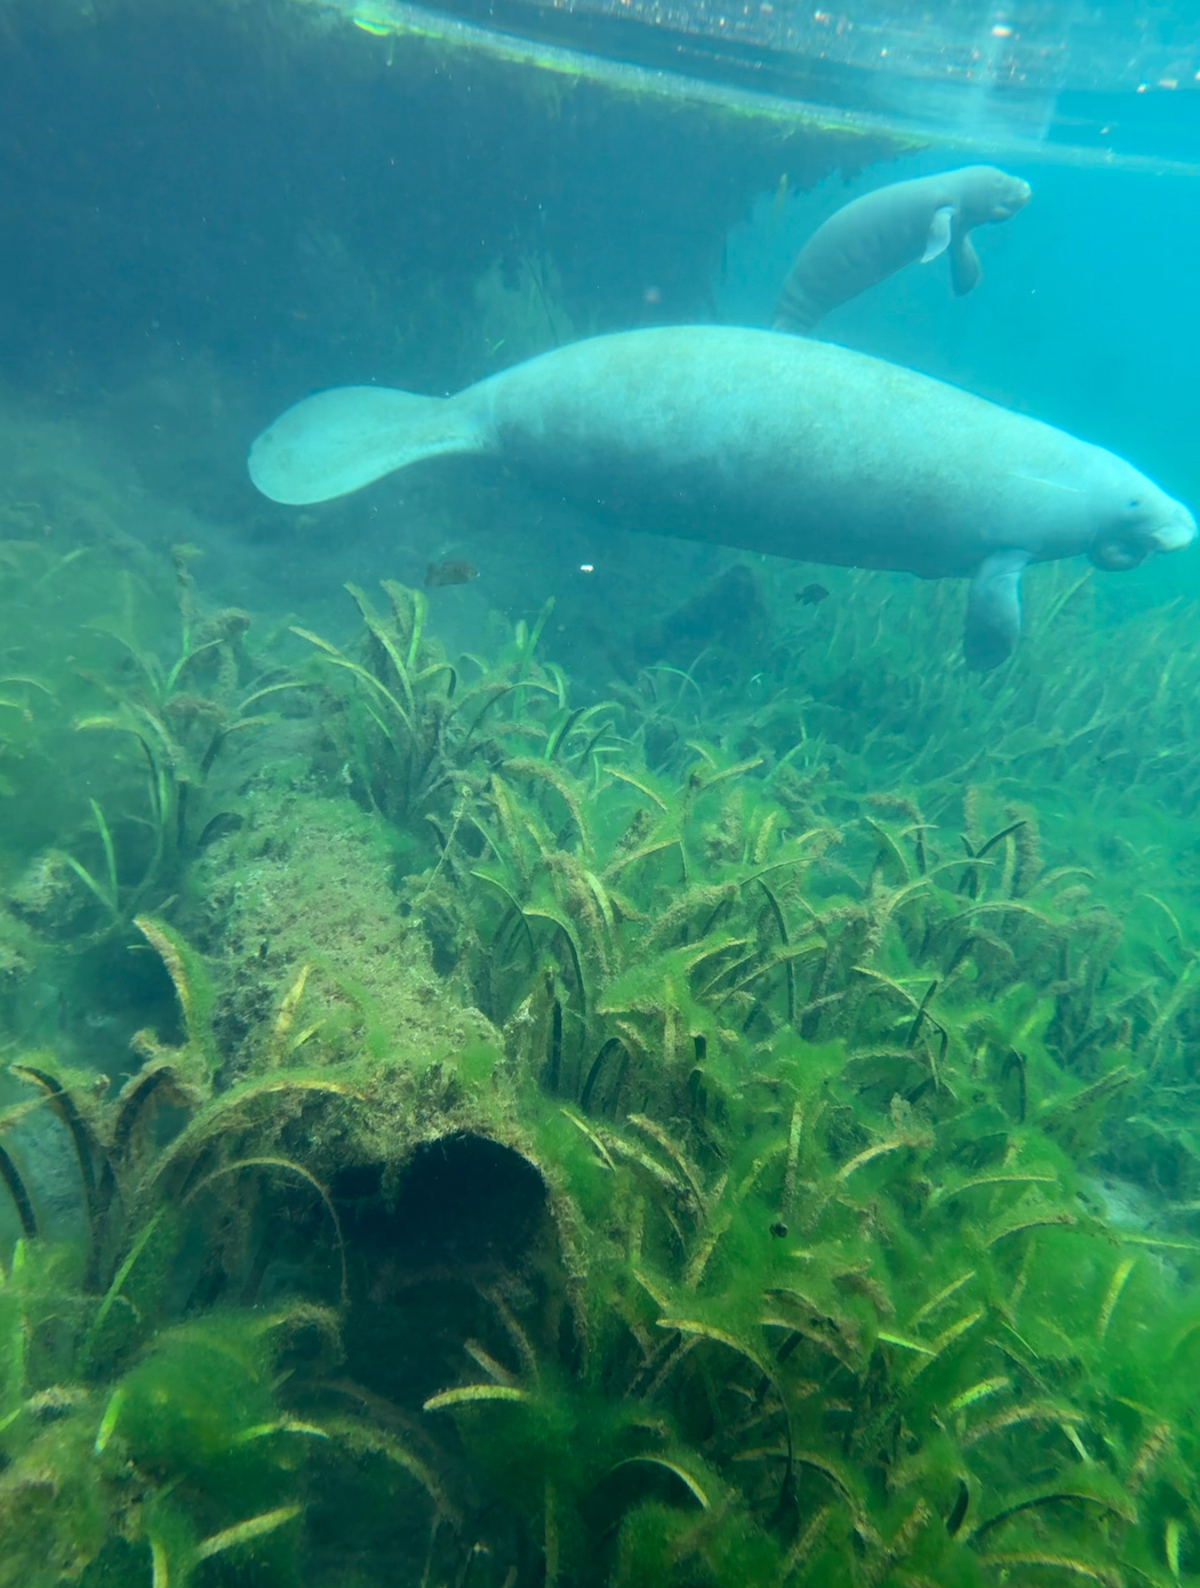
x,y
245,1532
469,1394
979,1392
1113,1294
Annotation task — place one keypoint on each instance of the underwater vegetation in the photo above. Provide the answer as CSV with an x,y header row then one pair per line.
x,y
464,1124
728,1123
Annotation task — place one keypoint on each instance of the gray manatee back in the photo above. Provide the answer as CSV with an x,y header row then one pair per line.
x,y
794,447
880,233
778,444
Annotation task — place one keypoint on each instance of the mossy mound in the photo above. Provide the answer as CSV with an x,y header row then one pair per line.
x,y
307,881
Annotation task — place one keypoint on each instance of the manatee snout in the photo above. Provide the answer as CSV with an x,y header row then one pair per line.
x,y
1165,526
1013,196
1179,530
990,194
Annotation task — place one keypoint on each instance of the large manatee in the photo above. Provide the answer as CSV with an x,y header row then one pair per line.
x,y
769,442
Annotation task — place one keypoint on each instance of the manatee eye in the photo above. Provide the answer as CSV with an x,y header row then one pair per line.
x,y
1135,502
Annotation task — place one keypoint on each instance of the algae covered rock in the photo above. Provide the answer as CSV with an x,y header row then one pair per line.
x,y
47,897
305,888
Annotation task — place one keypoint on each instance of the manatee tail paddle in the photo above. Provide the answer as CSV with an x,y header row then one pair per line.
x,y
342,439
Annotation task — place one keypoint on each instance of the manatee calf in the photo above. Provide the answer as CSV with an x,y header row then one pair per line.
x,y
773,443
875,235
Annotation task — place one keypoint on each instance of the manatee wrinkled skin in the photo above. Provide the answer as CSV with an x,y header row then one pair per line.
x,y
777,444
874,236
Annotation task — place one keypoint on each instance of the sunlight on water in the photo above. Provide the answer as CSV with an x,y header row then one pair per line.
x,y
998,77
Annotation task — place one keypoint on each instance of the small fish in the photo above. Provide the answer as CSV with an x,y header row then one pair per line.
x,y
450,573
812,595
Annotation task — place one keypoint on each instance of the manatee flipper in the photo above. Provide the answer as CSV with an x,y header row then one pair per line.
x,y
939,233
994,610
965,269
342,439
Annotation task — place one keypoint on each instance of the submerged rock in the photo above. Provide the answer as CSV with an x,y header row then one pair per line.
x,y
308,880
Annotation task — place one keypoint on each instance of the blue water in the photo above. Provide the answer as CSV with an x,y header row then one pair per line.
x,y
202,224
211,209
1087,316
